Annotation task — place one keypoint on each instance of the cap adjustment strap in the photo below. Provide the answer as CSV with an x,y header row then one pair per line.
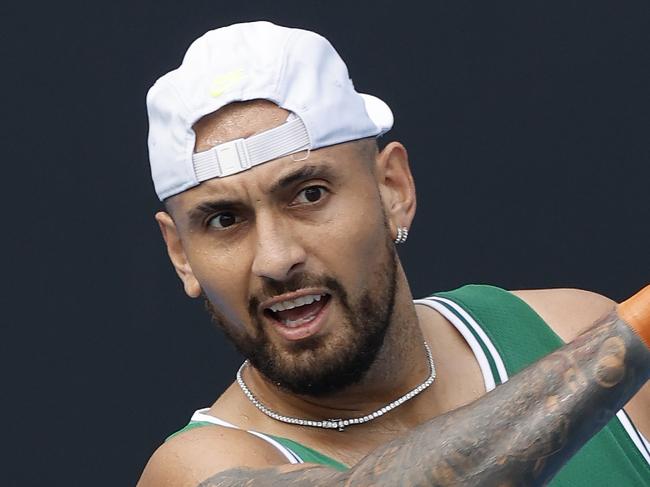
x,y
241,154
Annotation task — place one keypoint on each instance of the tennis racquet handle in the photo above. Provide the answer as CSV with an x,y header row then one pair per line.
x,y
635,311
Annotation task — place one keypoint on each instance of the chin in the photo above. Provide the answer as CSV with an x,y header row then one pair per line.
x,y
322,365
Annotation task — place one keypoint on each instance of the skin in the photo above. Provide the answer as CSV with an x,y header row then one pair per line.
x,y
553,403
279,236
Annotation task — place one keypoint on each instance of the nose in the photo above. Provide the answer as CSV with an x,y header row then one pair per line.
x,y
279,251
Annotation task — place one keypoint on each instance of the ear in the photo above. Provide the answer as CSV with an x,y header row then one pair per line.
x,y
396,186
177,255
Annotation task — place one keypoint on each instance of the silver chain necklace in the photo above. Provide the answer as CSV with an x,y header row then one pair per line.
x,y
339,424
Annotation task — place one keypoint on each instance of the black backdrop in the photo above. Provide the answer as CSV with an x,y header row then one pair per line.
x,y
527,125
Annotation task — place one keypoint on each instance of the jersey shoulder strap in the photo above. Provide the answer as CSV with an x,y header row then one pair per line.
x,y
519,334
293,451
309,455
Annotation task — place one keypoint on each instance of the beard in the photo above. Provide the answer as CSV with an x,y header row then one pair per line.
x,y
322,365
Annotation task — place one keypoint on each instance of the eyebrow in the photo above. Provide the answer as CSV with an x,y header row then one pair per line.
x,y
199,212
306,172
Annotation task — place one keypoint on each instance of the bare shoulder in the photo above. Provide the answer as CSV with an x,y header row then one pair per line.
x,y
568,312
192,456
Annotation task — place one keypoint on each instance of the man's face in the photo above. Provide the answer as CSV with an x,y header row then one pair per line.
x,y
294,258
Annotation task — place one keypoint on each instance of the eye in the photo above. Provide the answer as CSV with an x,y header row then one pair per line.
x,y
310,194
223,220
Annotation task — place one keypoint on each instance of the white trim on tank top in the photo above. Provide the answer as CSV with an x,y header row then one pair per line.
x,y
473,343
201,415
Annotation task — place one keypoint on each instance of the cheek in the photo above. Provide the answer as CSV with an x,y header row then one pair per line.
x,y
356,236
222,275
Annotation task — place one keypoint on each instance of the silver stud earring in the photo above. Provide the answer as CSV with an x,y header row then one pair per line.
x,y
402,235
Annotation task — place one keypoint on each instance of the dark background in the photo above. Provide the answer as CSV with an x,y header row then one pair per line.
x,y
527,125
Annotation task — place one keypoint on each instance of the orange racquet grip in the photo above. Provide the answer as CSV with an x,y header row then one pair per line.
x,y
635,311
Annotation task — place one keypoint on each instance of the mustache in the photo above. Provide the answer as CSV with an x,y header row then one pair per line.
x,y
272,287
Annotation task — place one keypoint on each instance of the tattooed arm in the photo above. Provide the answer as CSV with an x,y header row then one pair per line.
x,y
519,434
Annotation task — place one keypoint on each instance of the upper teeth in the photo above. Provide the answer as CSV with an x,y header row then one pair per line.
x,y
293,303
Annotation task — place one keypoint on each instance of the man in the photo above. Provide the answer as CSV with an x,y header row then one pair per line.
x,y
283,213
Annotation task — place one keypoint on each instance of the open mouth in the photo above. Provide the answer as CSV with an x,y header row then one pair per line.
x,y
293,313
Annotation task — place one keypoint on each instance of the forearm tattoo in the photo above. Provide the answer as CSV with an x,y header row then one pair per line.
x,y
519,434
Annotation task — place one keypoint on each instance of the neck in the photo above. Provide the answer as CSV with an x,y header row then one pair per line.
x,y
401,364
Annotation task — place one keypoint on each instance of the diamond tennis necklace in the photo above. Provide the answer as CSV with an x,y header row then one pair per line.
x,y
339,424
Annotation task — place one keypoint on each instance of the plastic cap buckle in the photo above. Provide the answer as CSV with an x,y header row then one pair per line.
x,y
232,157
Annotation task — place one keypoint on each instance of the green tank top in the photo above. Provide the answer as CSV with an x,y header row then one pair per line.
x,y
512,336
506,335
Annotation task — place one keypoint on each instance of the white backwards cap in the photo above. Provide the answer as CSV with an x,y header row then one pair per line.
x,y
296,69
